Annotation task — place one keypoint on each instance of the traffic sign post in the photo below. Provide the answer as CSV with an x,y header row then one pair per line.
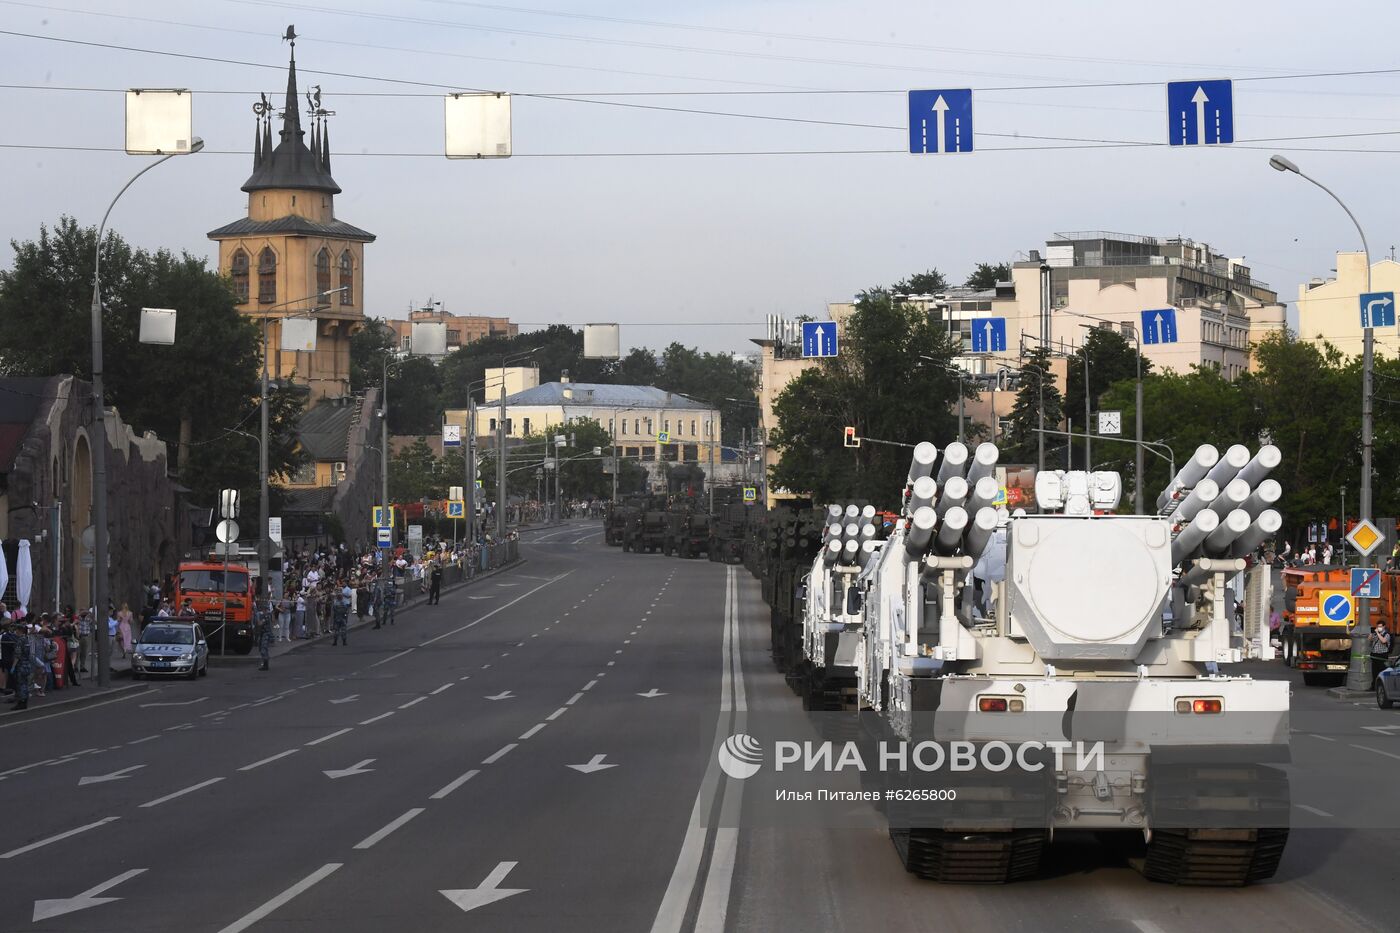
x,y
1159,325
456,509
818,338
1366,582
384,537
940,121
383,518
1377,309
1200,113
662,437
750,494
989,335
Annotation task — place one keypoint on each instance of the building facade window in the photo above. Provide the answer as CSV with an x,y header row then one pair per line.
x,y
692,428
238,270
267,276
648,454
692,453
666,426
347,278
493,424
527,425
323,277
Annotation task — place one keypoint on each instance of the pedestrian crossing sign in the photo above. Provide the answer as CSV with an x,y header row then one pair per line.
x,y
750,494
663,437
383,518
456,509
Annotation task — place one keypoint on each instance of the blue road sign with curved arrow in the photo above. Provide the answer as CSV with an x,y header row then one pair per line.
x,y
1377,309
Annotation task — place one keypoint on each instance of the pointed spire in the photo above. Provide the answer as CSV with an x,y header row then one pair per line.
x,y
257,144
291,117
315,142
267,136
326,146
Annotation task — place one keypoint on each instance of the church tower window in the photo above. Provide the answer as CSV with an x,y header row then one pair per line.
x,y
238,270
267,276
347,278
323,277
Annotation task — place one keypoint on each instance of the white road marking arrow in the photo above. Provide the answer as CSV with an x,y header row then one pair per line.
x,y
481,597
595,765
180,703
503,695
988,329
487,892
44,910
350,699
1371,314
652,694
940,109
1383,730
1199,99
113,776
347,772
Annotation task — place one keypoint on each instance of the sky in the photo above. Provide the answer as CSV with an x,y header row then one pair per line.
x,y
604,214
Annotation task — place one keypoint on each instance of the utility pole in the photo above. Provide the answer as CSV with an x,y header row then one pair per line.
x,y
501,460
469,467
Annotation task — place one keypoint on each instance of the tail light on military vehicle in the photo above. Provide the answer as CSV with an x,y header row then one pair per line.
x,y
992,704
1189,705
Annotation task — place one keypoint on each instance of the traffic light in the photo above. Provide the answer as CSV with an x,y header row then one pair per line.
x,y
851,439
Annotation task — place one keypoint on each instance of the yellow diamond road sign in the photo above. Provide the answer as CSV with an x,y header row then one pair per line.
x,y
1365,537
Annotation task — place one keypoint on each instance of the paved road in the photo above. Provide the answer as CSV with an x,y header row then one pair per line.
x,y
535,753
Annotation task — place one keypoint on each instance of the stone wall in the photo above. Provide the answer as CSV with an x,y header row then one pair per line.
x,y
52,475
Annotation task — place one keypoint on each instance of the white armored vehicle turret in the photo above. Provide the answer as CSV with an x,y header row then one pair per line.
x,y
1078,626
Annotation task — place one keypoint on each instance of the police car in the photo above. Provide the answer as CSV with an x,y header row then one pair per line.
x,y
171,646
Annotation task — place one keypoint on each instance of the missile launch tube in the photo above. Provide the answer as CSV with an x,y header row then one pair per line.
x,y
832,551
1266,496
1265,462
951,531
954,462
851,532
979,532
984,493
868,550
1222,539
834,512
1229,465
867,514
1191,473
1200,497
984,462
1231,497
921,464
1193,534
868,532
849,550
954,494
923,493
852,512
1265,527
920,531
834,531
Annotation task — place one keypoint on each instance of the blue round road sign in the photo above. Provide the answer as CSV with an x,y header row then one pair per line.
x,y
1337,607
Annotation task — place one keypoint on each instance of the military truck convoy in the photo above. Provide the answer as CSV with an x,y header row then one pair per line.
x,y
681,526
959,620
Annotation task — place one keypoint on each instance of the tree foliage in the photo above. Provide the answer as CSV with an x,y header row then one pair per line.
x,y
1112,359
921,283
988,274
893,382
196,395
1037,399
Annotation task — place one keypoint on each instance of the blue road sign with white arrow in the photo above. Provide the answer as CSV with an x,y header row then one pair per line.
x,y
1337,607
1200,113
940,121
818,338
989,335
1377,309
1159,326
1366,582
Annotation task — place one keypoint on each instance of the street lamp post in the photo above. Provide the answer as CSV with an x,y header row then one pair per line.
x,y
264,508
1359,670
98,447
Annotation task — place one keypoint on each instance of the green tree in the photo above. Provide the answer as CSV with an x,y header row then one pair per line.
x,y
988,274
718,379
1112,359
415,396
415,473
196,394
1021,442
921,283
368,347
893,382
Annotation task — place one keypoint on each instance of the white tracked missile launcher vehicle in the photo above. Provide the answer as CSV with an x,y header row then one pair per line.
x,y
1082,626
831,618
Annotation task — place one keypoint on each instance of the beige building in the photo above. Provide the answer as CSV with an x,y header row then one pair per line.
x,y
460,329
1330,310
635,416
291,248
